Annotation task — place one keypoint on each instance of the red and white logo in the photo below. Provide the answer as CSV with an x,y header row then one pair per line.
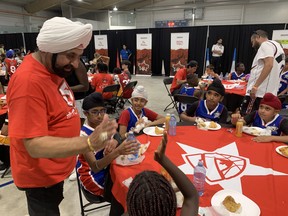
x,y
67,94
224,165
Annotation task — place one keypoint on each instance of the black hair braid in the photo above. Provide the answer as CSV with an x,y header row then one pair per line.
x,y
150,194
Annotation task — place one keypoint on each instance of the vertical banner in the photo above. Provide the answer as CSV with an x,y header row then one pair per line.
x,y
143,55
281,36
179,51
101,44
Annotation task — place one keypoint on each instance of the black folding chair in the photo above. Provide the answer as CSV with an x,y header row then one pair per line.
x,y
168,81
126,94
111,103
91,198
184,100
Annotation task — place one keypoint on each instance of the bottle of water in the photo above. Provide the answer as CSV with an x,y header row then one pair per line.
x,y
221,76
131,136
172,125
199,177
226,76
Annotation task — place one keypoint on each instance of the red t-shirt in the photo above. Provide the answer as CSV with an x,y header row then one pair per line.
x,y
11,66
180,75
40,104
124,80
100,81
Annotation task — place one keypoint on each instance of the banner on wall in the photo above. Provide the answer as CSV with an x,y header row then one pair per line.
x,y
179,51
143,54
282,37
101,44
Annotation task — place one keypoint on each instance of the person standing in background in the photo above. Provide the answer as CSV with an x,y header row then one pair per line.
x,y
79,84
217,52
125,53
265,73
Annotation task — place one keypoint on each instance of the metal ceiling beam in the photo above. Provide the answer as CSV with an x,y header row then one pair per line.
x,y
141,4
190,5
39,5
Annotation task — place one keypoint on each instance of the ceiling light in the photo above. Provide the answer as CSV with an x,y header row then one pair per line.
x,y
115,8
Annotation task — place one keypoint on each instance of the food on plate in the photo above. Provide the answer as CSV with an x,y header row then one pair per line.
x,y
255,132
284,151
230,204
122,157
158,130
212,124
142,149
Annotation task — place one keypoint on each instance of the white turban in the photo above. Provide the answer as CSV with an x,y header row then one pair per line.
x,y
60,34
140,92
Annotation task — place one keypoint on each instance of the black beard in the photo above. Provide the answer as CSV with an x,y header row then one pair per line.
x,y
62,73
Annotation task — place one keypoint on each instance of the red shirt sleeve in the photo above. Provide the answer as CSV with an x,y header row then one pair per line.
x,y
124,118
151,115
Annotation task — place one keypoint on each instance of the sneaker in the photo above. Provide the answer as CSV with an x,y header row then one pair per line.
x,y
73,176
3,167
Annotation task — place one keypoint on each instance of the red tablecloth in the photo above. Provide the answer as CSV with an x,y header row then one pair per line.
x,y
239,90
254,169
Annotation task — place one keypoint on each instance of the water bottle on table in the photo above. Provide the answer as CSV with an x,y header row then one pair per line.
x,y
131,136
199,177
172,125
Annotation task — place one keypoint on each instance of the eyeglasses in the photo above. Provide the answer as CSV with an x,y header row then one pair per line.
x,y
97,112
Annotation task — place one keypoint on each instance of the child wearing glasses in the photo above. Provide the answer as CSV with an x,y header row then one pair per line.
x,y
133,116
92,167
267,117
210,108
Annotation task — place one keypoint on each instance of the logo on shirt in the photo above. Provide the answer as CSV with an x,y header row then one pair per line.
x,y
66,94
217,115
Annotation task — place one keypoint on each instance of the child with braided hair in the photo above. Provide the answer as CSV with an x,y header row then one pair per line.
x,y
150,194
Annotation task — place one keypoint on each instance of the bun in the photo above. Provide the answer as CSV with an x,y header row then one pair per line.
x,y
212,124
230,204
158,131
284,151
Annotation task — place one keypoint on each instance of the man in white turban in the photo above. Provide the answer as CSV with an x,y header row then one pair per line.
x,y
43,120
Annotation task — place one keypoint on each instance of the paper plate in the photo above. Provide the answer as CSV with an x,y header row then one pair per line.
x,y
248,207
279,152
207,124
151,131
256,131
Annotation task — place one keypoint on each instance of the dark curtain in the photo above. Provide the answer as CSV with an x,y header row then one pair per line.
x,y
238,36
11,41
234,36
30,41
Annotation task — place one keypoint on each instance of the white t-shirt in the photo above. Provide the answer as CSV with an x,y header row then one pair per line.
x,y
272,81
217,47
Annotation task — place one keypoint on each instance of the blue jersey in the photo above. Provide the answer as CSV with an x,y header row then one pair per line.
x,y
283,82
274,125
87,176
235,76
133,118
203,112
186,90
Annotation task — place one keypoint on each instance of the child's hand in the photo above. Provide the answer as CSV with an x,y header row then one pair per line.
x,y
140,121
263,139
160,152
235,117
128,147
110,147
